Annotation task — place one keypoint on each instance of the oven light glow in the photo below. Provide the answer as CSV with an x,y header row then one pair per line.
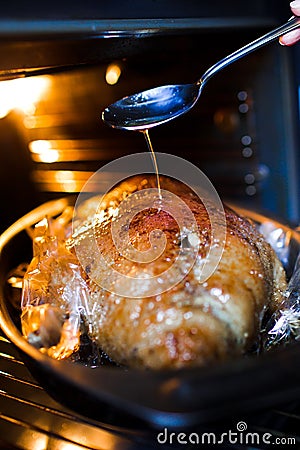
x,y
44,150
64,176
22,94
66,179
34,440
113,73
39,146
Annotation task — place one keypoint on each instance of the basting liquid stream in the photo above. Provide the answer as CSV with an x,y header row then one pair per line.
x,y
150,148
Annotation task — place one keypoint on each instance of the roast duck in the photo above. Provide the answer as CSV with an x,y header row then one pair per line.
x,y
193,322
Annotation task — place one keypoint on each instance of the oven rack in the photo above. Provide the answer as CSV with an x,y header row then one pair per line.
x,y
31,420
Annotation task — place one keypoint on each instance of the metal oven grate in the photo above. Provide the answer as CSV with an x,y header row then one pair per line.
x,y
30,419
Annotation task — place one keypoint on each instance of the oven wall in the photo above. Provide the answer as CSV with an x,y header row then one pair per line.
x,y
243,133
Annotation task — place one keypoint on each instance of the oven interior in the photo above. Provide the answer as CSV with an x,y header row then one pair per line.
x,y
60,70
243,133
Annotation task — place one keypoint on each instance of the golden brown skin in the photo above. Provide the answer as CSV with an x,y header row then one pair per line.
x,y
194,323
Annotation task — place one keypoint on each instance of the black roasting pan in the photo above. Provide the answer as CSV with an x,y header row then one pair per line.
x,y
184,398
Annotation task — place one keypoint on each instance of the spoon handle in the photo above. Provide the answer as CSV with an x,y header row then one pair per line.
x,y
291,24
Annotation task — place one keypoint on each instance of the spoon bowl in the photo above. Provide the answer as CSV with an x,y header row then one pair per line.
x,y
152,107
156,106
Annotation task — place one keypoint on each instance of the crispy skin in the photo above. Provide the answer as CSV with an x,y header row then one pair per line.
x,y
192,324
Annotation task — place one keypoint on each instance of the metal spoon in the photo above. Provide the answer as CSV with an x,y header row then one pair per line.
x,y
153,107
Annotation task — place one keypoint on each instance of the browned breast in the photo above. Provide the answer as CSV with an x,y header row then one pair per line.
x,y
193,323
